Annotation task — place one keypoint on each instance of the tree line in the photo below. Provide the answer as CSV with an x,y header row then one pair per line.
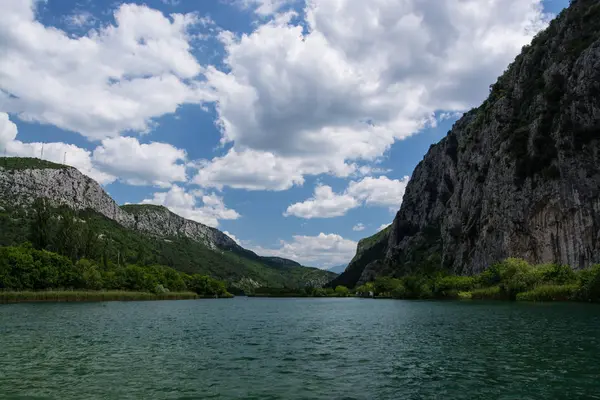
x,y
66,252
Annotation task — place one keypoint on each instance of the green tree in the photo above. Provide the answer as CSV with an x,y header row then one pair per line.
x,y
40,224
342,291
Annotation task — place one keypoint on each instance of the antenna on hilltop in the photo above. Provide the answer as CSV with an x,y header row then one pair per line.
x,y
65,158
42,154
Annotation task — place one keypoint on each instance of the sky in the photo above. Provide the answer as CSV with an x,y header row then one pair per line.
x,y
291,125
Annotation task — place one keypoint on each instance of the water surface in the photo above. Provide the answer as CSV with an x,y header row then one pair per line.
x,y
249,348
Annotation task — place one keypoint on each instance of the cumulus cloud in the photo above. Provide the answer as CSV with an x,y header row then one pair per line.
x,y
380,191
123,158
324,204
369,191
355,76
233,237
157,164
57,152
263,7
260,170
185,204
359,227
81,19
382,227
323,250
113,79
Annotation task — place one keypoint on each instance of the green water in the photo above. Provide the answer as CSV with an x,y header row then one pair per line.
x,y
249,348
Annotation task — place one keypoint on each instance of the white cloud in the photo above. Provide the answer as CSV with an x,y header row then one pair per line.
x,y
323,250
264,7
360,75
324,204
113,79
248,170
81,19
233,237
359,227
56,152
123,158
382,227
370,191
158,164
258,170
185,204
380,191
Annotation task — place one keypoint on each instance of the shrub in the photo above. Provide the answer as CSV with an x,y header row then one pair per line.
x,y
549,293
465,295
342,291
399,292
489,293
589,284
417,287
557,274
383,286
449,286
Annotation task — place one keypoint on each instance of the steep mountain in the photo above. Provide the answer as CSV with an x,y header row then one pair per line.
x,y
145,234
517,176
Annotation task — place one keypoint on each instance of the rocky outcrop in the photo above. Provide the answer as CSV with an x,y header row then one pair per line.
x,y
159,221
22,180
21,184
518,176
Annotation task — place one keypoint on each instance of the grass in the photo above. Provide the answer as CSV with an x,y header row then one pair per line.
x,y
550,293
75,296
21,163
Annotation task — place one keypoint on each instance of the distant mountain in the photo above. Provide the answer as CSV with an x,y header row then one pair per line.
x,y
518,176
338,269
142,234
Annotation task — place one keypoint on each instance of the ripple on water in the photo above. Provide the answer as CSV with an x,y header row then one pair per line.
x,y
311,349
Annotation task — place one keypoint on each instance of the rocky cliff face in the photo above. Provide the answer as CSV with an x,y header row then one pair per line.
x,y
518,176
24,180
159,221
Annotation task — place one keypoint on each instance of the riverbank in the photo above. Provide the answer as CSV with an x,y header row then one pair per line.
x,y
93,296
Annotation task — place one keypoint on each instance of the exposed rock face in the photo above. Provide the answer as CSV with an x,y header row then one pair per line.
x,y
64,186
520,175
159,221
67,186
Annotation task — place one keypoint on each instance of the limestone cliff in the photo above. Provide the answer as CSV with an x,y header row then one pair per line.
x,y
22,180
519,176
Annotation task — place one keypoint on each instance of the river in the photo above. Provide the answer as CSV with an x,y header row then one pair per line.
x,y
252,348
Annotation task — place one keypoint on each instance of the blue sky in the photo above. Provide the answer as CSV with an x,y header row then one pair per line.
x,y
291,125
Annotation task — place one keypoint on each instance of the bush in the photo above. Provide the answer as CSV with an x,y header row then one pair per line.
x,y
550,293
342,291
418,287
383,286
365,290
589,284
399,292
450,286
465,295
557,274
489,293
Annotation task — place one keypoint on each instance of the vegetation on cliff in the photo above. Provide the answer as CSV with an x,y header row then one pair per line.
x,y
89,235
511,279
21,163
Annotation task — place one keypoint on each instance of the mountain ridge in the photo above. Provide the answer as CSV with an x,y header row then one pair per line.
x,y
22,180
